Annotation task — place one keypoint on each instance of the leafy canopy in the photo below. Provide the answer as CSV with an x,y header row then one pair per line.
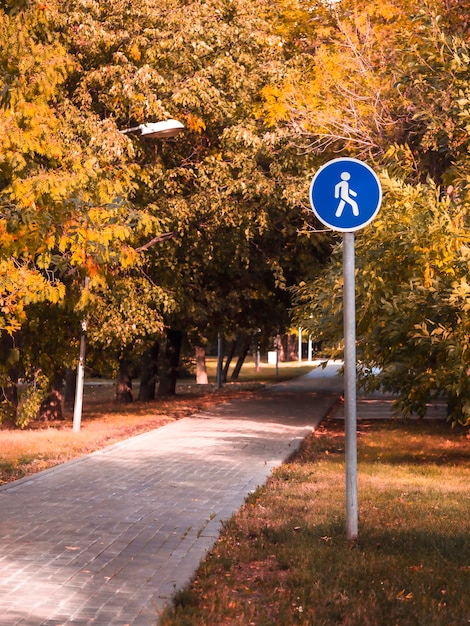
x,y
63,174
413,260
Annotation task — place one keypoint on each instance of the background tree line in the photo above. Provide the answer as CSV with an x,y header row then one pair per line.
x,y
180,239
198,235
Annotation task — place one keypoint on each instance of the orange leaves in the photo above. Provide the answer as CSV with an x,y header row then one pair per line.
x,y
98,237
275,107
195,123
403,595
20,286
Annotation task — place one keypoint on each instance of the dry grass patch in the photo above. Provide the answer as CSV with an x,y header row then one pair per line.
x,y
284,558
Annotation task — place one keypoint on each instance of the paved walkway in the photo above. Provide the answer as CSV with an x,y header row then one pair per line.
x,y
108,538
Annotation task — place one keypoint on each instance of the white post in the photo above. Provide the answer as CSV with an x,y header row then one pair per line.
x,y
300,344
349,315
330,193
309,349
77,409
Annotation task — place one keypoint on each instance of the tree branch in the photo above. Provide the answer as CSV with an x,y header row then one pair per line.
x,y
155,240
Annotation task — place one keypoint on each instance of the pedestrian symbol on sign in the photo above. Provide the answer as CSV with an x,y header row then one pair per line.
x,y
345,194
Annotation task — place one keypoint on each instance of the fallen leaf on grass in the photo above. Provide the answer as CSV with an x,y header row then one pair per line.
x,y
402,596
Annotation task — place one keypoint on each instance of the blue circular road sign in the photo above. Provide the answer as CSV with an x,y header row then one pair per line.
x,y
345,194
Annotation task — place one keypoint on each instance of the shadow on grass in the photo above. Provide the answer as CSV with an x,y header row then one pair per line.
x,y
312,575
395,442
284,559
418,546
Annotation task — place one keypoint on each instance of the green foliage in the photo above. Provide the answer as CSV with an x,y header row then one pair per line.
x,y
434,82
199,232
30,399
226,190
391,84
413,299
30,394
125,311
63,174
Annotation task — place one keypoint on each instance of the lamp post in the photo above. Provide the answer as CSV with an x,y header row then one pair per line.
x,y
151,130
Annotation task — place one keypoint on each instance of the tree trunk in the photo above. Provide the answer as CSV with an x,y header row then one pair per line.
x,y
169,362
9,353
292,348
70,387
51,406
124,382
148,379
281,350
9,400
240,361
231,353
201,371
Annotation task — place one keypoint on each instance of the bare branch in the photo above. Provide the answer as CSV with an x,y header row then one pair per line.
x,y
155,240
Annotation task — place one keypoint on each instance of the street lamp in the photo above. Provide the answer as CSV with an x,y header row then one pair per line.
x,y
152,130
156,130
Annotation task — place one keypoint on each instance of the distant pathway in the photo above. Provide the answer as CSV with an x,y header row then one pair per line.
x,y
105,540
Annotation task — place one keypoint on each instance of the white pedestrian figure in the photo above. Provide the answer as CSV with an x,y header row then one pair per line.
x,y
343,192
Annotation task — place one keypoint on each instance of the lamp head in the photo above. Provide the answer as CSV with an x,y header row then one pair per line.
x,y
157,130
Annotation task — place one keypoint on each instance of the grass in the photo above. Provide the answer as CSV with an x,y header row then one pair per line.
x,y
284,559
105,422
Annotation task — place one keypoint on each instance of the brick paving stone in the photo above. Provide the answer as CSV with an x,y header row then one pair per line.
x,y
108,538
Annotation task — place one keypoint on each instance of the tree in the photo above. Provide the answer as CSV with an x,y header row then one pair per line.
x,y
363,76
412,292
63,179
225,192
339,93
413,260
207,222
125,315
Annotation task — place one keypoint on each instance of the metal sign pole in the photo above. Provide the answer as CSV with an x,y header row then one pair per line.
x,y
345,195
349,318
